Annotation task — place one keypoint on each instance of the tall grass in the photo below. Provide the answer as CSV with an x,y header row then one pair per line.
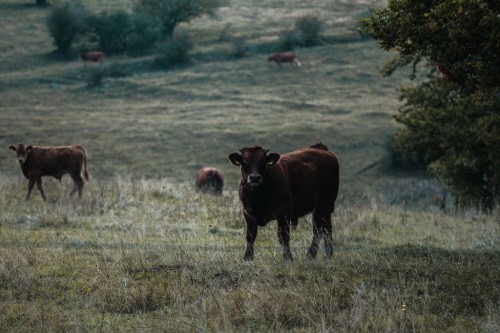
x,y
139,254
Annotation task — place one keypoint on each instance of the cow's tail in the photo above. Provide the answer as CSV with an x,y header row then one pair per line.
x,y
297,62
85,171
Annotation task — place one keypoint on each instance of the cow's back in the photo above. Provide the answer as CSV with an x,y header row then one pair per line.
x,y
210,180
312,176
54,161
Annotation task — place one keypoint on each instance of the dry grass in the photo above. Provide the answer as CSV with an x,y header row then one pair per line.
x,y
154,255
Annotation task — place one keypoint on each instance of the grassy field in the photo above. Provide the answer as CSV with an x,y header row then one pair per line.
x,y
143,255
143,252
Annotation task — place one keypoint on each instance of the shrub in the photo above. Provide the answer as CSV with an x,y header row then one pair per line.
x,y
146,32
66,23
175,50
308,30
172,12
306,33
112,31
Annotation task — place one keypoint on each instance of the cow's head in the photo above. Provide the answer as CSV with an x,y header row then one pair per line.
x,y
22,151
253,163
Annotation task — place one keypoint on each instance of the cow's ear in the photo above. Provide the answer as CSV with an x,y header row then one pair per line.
x,y
235,159
12,148
29,148
272,158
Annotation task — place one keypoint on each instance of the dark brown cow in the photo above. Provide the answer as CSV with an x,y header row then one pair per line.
x,y
290,57
209,180
286,187
93,56
37,162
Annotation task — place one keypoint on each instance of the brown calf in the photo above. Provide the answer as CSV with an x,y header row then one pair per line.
x,y
209,180
37,162
93,56
286,187
290,57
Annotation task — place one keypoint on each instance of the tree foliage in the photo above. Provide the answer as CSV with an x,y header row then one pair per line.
x,y
452,119
173,12
112,30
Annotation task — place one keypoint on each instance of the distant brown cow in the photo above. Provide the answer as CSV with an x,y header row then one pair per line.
x,y
290,57
209,180
93,56
286,187
37,162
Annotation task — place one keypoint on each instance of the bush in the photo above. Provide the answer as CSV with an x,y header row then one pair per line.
x,y
308,30
305,34
173,12
175,50
145,34
112,31
66,23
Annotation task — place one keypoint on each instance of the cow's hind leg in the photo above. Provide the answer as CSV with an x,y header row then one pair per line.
x,y
284,237
313,249
39,185
78,180
322,228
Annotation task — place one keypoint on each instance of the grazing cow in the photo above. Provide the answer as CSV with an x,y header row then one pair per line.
x,y
286,187
93,56
37,162
290,57
209,180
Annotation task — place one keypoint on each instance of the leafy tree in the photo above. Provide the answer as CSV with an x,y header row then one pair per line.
x,y
452,118
145,34
173,12
66,23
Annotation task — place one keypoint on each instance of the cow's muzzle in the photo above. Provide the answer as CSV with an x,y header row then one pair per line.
x,y
21,161
254,180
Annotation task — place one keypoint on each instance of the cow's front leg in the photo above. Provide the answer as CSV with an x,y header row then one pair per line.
x,y
284,237
250,237
39,185
31,184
